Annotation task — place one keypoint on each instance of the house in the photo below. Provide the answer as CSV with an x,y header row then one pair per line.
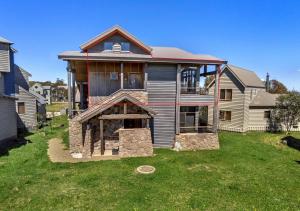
x,y
134,97
245,105
30,106
8,120
45,91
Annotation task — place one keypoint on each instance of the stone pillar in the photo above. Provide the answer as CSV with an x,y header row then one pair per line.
x,y
216,99
88,143
178,90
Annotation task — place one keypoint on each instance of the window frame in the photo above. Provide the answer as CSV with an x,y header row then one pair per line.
x,y
18,108
106,43
124,43
225,115
267,116
226,94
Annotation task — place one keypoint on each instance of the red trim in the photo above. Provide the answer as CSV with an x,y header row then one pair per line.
x,y
179,59
113,33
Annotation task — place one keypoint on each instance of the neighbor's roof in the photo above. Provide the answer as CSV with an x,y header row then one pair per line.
x,y
3,40
46,87
247,77
264,98
39,97
110,32
23,70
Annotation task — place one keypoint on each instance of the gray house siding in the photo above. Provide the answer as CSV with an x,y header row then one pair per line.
x,y
236,105
116,39
161,87
8,120
4,58
28,120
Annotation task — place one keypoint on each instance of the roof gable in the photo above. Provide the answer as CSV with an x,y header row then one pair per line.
x,y
113,31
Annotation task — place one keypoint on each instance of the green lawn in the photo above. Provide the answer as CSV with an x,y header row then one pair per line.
x,y
56,107
249,172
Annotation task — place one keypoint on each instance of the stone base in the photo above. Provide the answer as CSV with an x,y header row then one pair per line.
x,y
135,142
196,141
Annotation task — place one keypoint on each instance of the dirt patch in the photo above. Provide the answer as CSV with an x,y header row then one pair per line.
x,y
58,154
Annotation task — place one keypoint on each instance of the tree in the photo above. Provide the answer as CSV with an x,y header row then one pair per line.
x,y
208,80
276,87
287,109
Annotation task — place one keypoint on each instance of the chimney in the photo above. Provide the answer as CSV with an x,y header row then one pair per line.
x,y
267,82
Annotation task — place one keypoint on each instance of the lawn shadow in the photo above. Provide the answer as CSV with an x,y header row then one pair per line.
x,y
291,142
8,145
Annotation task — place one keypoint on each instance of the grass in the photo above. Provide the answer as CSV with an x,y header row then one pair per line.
x,y
249,172
56,107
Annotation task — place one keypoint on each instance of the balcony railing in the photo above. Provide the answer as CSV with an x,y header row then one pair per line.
x,y
194,90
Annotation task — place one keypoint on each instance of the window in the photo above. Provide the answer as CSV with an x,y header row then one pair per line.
x,y
125,46
225,115
267,114
226,94
21,108
108,45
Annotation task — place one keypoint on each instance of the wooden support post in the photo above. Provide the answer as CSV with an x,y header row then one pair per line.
x,y
81,95
177,106
148,123
122,75
125,108
145,76
216,99
102,137
73,91
198,80
69,91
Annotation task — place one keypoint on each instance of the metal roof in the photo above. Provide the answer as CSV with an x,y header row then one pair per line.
x,y
3,40
264,98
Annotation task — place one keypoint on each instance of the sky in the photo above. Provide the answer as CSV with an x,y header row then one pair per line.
x,y
260,35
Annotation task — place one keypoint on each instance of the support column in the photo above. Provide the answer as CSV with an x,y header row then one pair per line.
x,y
73,91
81,95
216,99
122,75
198,80
178,90
69,91
145,76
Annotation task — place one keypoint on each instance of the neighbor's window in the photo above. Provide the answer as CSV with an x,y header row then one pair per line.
x,y
108,45
125,46
21,108
226,94
225,115
267,114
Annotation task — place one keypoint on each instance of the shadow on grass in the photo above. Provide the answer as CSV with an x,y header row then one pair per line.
x,y
291,142
8,145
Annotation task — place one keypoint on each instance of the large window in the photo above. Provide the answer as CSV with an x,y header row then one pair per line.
x,y
125,46
226,94
225,115
108,45
188,81
21,108
194,119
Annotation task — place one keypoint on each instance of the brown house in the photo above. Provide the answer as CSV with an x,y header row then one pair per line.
x,y
134,96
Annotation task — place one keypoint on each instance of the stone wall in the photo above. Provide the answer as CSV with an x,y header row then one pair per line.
x,y
75,136
135,142
196,141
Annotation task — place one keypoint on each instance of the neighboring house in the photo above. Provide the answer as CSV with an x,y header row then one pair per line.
x,y
8,120
30,106
45,91
245,104
60,93
136,96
